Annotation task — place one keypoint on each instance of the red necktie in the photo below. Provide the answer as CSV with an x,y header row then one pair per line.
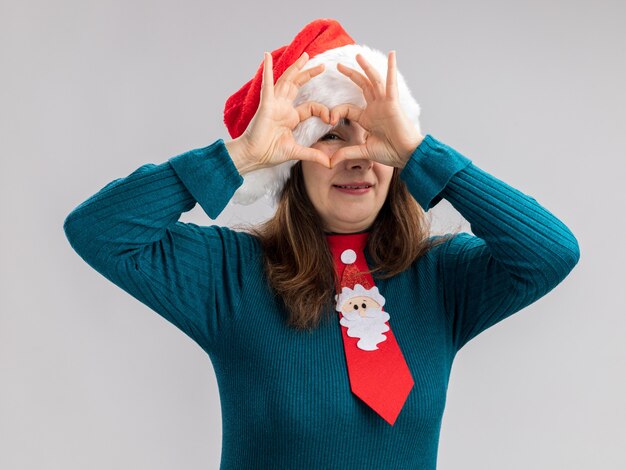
x,y
378,372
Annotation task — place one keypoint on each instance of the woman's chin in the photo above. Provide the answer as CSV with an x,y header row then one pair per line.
x,y
351,225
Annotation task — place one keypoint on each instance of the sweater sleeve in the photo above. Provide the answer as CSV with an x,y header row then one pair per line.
x,y
520,250
130,233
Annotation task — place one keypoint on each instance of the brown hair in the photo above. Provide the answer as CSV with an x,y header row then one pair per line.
x,y
297,260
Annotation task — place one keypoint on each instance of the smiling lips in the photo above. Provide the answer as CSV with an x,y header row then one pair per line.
x,y
353,188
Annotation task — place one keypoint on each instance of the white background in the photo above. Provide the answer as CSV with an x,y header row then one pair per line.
x,y
533,92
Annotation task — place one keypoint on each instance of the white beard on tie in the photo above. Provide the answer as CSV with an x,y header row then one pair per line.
x,y
368,328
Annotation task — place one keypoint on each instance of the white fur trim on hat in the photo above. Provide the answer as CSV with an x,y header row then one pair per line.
x,y
330,88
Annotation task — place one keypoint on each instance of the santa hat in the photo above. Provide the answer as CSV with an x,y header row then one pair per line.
x,y
325,41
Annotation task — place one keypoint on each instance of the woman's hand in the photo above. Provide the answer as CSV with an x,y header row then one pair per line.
x,y
392,136
268,140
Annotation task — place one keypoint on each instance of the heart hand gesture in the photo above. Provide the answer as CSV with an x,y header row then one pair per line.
x,y
392,136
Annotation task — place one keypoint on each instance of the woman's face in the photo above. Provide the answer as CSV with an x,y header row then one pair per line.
x,y
349,196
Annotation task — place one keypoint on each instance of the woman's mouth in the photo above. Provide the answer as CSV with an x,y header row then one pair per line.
x,y
353,188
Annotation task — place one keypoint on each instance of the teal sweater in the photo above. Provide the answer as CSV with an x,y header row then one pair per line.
x,y
285,395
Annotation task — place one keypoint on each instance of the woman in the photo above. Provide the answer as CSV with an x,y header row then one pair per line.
x,y
320,363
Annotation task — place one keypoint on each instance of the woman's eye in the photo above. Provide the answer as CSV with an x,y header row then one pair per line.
x,y
330,136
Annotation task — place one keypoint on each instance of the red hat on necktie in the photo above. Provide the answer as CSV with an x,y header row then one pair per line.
x,y
325,41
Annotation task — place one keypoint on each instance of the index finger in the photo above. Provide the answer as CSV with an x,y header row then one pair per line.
x,y
347,111
310,109
359,79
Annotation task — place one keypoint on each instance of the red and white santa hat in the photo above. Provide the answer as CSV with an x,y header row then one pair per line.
x,y
325,41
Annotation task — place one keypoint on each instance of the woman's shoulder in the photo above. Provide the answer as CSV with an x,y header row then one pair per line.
x,y
234,242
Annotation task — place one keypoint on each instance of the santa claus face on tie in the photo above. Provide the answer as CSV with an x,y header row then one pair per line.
x,y
360,305
363,315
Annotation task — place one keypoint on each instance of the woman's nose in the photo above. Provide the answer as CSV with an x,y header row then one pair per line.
x,y
359,164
